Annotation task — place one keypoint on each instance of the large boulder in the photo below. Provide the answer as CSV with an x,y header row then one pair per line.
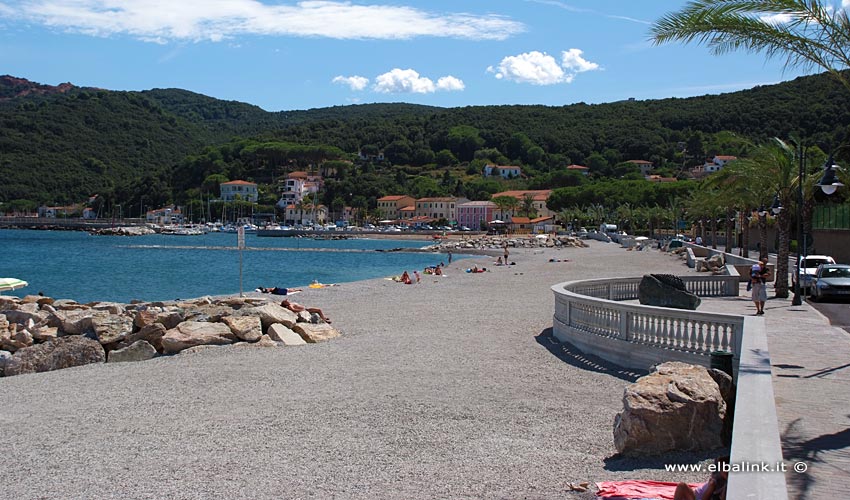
x,y
64,352
194,333
110,328
270,314
152,334
282,334
137,351
679,407
312,333
247,328
665,290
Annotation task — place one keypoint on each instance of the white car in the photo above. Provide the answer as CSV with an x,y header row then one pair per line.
x,y
806,273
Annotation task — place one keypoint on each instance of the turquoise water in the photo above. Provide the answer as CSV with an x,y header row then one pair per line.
x,y
76,265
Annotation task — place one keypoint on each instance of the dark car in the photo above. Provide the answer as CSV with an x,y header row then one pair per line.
x,y
831,280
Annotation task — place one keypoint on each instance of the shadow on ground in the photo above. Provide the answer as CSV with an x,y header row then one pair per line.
x,y
621,463
796,448
571,355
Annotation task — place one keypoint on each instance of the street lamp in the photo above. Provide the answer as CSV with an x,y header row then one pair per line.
x,y
828,184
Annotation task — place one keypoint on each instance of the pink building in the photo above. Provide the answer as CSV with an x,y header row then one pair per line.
x,y
472,213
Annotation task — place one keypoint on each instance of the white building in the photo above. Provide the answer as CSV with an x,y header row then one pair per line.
x,y
239,190
503,172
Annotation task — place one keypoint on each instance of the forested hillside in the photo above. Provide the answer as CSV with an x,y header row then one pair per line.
x,y
161,145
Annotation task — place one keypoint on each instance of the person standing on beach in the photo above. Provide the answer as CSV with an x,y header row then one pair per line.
x,y
506,253
450,256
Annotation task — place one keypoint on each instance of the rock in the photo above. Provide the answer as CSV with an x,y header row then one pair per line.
x,y
169,319
315,333
247,328
664,290
44,333
29,307
304,317
677,408
137,351
13,339
111,328
5,356
270,314
21,316
144,318
191,333
152,334
110,307
264,341
280,333
63,352
72,321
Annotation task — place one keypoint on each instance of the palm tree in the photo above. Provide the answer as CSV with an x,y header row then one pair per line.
x,y
527,204
773,169
808,33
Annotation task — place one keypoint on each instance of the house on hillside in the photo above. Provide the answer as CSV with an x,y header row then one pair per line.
x,y
716,164
644,166
297,185
503,172
578,168
241,190
658,178
165,216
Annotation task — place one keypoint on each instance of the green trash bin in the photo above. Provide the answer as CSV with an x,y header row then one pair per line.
x,y
722,360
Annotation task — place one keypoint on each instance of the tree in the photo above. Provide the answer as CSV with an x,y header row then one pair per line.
x,y
463,141
812,33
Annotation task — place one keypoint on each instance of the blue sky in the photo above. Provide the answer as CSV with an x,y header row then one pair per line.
x,y
285,55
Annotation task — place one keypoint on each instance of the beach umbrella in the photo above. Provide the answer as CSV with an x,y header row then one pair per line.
x,y
496,222
7,284
542,236
641,238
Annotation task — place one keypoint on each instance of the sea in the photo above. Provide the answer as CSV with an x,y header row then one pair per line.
x,y
83,267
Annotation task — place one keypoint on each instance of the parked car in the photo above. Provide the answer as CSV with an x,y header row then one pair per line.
x,y
806,272
831,280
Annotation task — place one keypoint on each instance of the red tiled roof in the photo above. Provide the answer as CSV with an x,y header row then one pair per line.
x,y
639,162
394,197
538,195
577,167
238,183
409,208
726,157
520,220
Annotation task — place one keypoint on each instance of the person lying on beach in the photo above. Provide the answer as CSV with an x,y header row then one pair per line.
x,y
297,308
714,489
475,269
276,290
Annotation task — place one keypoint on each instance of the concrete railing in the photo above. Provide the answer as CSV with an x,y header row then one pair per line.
x,y
589,316
742,264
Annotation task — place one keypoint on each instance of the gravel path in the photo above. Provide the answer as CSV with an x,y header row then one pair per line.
x,y
447,389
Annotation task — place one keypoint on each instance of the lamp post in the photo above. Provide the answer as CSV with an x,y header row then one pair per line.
x,y
828,184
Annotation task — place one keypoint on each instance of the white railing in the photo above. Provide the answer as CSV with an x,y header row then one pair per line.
x,y
591,315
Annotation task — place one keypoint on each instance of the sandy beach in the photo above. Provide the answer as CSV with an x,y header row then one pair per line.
x,y
451,388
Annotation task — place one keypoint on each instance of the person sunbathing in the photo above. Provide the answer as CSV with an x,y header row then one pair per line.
x,y
276,290
297,308
714,489
405,278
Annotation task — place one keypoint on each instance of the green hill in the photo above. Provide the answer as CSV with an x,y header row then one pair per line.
x,y
62,144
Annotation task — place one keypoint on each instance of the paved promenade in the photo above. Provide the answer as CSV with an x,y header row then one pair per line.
x,y
811,381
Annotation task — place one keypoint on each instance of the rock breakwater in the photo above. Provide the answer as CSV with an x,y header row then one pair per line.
x,y
40,334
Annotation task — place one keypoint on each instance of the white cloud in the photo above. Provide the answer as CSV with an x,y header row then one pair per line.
x,y
215,20
845,3
572,61
777,19
403,81
354,82
450,83
539,68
